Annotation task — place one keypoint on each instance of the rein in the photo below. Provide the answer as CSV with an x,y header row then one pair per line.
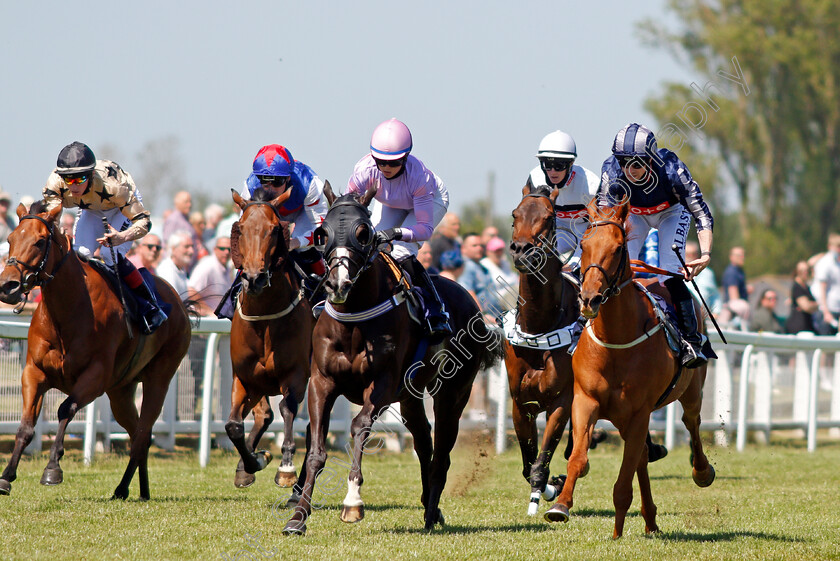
x,y
613,288
29,280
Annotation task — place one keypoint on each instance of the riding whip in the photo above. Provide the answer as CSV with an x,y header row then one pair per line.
x,y
676,250
119,280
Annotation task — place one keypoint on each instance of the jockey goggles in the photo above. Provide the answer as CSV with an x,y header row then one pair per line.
x,y
633,162
555,164
389,163
276,180
75,179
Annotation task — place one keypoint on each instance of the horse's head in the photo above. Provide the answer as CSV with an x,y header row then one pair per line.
x,y
604,262
348,241
533,226
259,241
30,257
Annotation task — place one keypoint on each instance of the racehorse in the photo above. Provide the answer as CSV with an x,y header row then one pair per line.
x,y
367,348
624,369
79,343
270,336
540,375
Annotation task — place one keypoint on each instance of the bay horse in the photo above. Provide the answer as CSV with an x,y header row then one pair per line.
x,y
367,348
79,343
624,369
540,377
270,336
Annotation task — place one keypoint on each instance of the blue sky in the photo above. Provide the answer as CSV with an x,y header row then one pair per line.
x,y
478,83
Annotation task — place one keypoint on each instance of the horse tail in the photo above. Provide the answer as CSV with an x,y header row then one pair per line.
x,y
493,352
192,311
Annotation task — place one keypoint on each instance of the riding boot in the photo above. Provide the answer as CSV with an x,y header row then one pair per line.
x,y
312,269
692,348
437,319
153,317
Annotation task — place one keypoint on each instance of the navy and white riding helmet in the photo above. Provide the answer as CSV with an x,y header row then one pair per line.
x,y
634,140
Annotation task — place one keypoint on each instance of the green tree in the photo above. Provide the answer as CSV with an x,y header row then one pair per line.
x,y
765,114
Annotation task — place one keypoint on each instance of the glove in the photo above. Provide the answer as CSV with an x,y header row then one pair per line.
x,y
388,235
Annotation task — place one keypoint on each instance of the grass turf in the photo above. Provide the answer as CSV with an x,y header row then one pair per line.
x,y
770,502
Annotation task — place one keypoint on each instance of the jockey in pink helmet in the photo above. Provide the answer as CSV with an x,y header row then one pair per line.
x,y
409,203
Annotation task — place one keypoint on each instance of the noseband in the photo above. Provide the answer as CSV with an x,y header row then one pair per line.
x,y
29,280
612,280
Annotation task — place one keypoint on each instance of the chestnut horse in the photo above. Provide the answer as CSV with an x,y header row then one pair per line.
x,y
624,370
270,336
540,379
79,343
365,347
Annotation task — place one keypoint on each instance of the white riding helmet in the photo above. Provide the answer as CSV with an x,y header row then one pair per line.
x,y
559,145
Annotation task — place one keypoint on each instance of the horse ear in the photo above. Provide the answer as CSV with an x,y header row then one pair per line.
x,y
553,196
281,198
21,210
369,194
237,199
622,212
593,211
328,192
527,189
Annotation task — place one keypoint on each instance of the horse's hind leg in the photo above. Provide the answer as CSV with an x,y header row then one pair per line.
x,y
525,426
555,424
648,507
703,472
415,420
285,476
33,398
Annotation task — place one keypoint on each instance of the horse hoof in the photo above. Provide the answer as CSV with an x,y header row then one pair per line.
x,y
243,479
295,528
5,487
264,458
656,452
285,478
52,476
119,495
352,514
703,481
438,519
598,436
557,513
293,501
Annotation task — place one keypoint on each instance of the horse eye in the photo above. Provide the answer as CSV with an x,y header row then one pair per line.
x,y
41,243
363,234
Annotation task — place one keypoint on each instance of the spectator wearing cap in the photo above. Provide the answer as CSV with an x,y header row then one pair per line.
x,y
7,223
451,264
504,279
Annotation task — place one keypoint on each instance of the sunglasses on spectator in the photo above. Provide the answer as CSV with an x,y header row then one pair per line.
x,y
389,163
272,180
557,165
153,247
770,297
220,248
633,163
75,179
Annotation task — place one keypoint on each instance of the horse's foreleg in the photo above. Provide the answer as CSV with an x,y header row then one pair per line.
x,y
648,506
322,396
87,388
33,398
555,425
250,462
525,426
634,445
414,417
125,413
584,416
703,472
285,476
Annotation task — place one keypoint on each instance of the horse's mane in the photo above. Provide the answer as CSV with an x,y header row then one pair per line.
x,y
543,190
38,207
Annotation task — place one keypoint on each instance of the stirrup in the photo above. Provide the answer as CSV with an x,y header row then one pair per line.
x,y
152,320
692,357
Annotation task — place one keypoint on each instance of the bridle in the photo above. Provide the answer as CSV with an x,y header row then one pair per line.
x,y
613,288
276,262
30,279
351,214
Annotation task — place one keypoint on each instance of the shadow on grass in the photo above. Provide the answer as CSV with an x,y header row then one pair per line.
x,y
466,530
688,479
156,500
725,536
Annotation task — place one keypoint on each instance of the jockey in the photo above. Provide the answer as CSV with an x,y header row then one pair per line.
x,y
276,170
410,202
661,195
100,188
578,186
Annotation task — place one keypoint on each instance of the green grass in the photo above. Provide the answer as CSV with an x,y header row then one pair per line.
x,y
770,502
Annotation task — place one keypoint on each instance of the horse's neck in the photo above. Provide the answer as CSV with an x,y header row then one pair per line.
x,y
623,316
60,294
544,296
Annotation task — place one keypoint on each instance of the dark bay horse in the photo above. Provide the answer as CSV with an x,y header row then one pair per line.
x,y
624,369
540,378
270,336
79,343
365,347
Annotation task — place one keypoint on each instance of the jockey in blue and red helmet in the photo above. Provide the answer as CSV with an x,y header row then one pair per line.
x,y
662,194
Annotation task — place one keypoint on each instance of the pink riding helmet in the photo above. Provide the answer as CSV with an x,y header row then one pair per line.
x,y
391,140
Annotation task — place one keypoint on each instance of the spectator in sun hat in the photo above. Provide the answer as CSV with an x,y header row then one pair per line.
x,y
7,223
